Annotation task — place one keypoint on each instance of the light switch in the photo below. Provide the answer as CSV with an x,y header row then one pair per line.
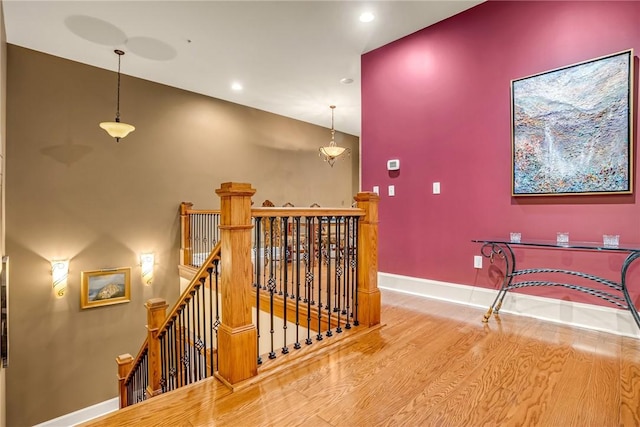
x,y
436,188
376,189
477,261
392,190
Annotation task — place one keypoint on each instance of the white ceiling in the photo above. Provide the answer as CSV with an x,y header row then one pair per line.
x,y
288,55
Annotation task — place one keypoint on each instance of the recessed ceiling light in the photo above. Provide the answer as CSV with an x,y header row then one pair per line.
x,y
367,17
346,81
236,86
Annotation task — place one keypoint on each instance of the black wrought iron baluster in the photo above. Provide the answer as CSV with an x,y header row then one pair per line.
x,y
163,359
134,386
282,254
312,259
208,327
186,359
272,289
329,275
199,341
349,277
356,250
202,319
190,337
320,261
177,350
145,377
307,258
137,382
217,322
129,393
258,264
285,263
172,358
308,278
339,254
297,275
336,264
183,355
211,324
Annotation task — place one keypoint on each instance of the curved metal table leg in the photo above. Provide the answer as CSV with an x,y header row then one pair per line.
x,y
625,266
504,251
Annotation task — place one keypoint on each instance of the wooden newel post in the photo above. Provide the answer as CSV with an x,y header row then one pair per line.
x,y
185,233
156,314
125,363
237,335
368,292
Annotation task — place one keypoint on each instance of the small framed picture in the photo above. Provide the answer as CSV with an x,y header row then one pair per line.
x,y
105,287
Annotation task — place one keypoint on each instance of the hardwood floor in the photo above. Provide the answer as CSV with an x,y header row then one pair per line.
x,y
431,364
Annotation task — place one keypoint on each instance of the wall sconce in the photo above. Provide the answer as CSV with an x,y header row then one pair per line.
x,y
60,274
147,262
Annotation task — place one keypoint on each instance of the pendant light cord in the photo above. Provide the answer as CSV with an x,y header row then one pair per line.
x,y
333,131
120,53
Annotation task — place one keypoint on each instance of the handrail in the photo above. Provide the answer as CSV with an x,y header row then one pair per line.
x,y
201,211
315,212
136,361
198,280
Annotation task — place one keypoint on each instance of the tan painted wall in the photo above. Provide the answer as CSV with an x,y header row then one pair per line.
x,y
72,192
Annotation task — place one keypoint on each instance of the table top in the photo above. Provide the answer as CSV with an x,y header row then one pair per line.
x,y
598,246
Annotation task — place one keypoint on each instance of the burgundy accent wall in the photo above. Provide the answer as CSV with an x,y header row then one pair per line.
x,y
439,101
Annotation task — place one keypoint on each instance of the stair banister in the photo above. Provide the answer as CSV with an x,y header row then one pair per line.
x,y
368,293
237,335
156,315
185,224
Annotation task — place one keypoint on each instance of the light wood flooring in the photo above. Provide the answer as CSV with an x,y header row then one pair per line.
x,y
431,364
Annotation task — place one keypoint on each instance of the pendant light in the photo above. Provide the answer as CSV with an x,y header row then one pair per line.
x,y
332,151
117,129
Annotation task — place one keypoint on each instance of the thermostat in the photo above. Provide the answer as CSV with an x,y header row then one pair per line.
x,y
393,165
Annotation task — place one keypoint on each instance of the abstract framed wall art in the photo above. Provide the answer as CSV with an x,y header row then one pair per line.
x,y
571,129
105,287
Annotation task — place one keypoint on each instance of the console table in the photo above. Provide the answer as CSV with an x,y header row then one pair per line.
x,y
615,293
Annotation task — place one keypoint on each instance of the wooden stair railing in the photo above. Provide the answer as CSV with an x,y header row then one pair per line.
x,y
239,291
146,375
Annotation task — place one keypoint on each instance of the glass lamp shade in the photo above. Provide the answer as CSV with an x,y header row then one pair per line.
x,y
332,151
117,130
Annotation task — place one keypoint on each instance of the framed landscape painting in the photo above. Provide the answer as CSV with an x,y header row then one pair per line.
x,y
105,287
571,129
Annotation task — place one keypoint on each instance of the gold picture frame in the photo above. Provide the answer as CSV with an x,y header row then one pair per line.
x,y
105,287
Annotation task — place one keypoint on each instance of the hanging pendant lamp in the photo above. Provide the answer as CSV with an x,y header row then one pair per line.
x,y
118,129
332,151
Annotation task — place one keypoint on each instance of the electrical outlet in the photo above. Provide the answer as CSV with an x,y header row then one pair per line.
x,y
392,190
376,189
477,261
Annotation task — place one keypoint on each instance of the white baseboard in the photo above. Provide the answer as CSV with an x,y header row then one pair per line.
x,y
84,415
599,318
